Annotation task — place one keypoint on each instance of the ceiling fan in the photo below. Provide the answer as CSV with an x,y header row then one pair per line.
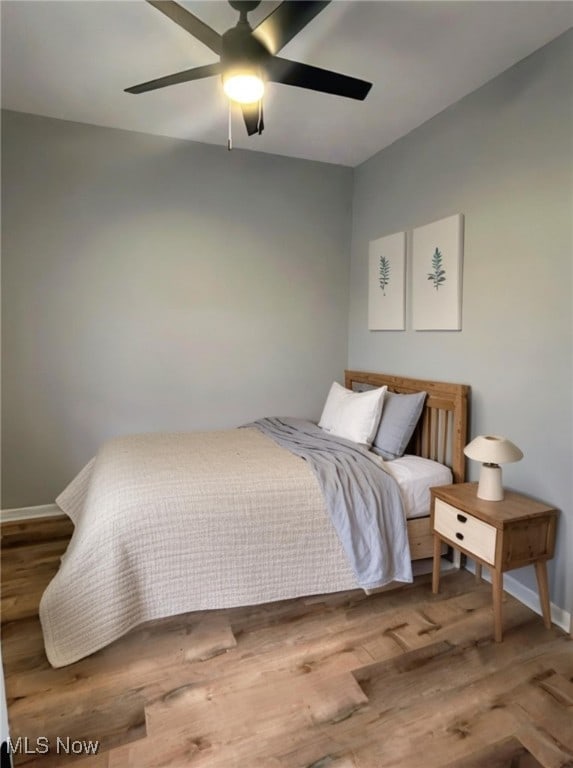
x,y
248,56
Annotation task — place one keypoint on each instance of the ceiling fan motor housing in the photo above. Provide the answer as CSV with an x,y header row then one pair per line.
x,y
244,6
242,52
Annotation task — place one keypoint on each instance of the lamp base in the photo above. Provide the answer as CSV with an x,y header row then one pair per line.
x,y
490,487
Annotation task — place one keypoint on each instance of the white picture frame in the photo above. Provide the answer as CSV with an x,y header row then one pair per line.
x,y
387,283
437,262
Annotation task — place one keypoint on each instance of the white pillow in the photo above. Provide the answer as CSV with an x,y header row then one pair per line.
x,y
353,415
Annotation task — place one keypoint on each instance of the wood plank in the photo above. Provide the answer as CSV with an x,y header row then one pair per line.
x,y
23,532
508,753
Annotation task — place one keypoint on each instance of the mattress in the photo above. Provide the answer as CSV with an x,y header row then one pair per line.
x,y
415,476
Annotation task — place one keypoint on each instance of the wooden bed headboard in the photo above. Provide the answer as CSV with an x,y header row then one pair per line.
x,y
441,433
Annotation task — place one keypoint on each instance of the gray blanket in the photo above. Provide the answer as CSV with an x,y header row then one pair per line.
x,y
363,500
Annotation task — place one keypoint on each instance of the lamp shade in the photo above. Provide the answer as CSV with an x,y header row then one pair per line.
x,y
493,449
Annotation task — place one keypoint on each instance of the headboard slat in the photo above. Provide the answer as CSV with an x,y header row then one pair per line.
x,y
443,441
442,430
435,422
426,430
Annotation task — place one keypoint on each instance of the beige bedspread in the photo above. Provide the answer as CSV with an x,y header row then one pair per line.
x,y
170,523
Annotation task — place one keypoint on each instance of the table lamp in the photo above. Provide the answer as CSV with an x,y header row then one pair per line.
x,y
491,450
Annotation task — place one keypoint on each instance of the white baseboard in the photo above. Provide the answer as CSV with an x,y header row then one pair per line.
x,y
29,513
527,596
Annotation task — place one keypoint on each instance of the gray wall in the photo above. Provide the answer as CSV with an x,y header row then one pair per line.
x,y
156,284
502,156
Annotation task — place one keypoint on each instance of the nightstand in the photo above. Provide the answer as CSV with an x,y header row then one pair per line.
x,y
503,535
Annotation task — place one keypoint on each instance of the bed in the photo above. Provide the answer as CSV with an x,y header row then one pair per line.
x,y
166,524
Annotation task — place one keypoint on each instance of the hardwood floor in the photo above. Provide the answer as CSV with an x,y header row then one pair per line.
x,y
401,678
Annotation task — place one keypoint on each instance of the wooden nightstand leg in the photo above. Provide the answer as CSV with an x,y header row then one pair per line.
x,y
497,592
478,571
543,587
437,564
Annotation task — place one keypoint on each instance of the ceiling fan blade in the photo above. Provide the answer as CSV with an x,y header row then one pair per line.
x,y
288,72
286,21
253,117
179,77
190,23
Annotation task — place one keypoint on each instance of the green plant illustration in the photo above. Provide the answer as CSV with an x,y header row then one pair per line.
x,y
438,274
384,273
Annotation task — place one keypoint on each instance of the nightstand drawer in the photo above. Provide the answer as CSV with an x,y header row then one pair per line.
x,y
466,531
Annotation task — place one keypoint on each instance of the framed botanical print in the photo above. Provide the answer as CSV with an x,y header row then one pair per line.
x,y
387,283
437,255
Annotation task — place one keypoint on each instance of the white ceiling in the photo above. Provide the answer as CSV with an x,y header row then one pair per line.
x,y
72,60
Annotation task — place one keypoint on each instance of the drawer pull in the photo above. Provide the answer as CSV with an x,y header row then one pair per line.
x,y
462,518
460,536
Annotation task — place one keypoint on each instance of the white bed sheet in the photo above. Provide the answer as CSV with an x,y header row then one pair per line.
x,y
415,476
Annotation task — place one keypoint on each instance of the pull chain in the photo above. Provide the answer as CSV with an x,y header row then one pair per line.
x,y
230,138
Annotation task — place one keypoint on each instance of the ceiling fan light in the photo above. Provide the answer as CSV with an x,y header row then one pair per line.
x,y
246,88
